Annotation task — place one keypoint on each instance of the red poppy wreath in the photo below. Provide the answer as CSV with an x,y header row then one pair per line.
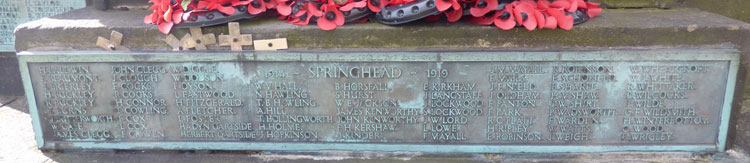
x,y
330,14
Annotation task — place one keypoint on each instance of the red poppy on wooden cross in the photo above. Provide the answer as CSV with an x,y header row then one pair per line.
x,y
113,43
235,40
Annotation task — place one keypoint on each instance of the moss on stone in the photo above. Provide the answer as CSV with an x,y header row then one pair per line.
x,y
637,3
737,9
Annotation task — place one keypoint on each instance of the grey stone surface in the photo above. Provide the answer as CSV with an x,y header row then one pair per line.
x,y
10,77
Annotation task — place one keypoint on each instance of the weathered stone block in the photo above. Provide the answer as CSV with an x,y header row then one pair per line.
x,y
736,9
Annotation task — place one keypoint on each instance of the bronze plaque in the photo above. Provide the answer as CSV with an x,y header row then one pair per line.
x,y
342,101
16,12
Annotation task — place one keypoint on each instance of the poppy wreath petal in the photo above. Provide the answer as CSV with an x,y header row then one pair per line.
x,y
486,19
551,23
594,12
326,24
360,4
563,21
155,17
455,5
314,10
177,16
560,4
339,20
270,4
292,20
543,4
347,7
454,15
227,10
300,13
573,6
239,3
581,4
540,19
590,5
284,7
443,5
256,7
372,7
148,18
164,5
524,16
165,27
505,19
593,9
480,9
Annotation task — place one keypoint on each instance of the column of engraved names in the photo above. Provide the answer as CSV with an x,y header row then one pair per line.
x,y
206,109
577,108
70,101
655,94
283,109
450,107
37,9
514,96
136,103
9,18
363,111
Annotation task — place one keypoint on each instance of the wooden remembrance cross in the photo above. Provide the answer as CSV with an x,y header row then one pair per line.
x,y
235,40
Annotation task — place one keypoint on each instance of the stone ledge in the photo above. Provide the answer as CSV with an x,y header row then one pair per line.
x,y
637,3
79,29
615,29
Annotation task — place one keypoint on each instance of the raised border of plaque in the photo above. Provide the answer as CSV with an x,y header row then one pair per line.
x,y
730,55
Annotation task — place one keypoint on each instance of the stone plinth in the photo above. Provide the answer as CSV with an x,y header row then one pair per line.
x,y
620,30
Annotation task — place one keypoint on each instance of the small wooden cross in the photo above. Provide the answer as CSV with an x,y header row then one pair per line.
x,y
113,43
235,39
176,44
199,40
270,44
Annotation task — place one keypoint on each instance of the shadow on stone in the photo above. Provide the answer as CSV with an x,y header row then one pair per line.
x,y
14,102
